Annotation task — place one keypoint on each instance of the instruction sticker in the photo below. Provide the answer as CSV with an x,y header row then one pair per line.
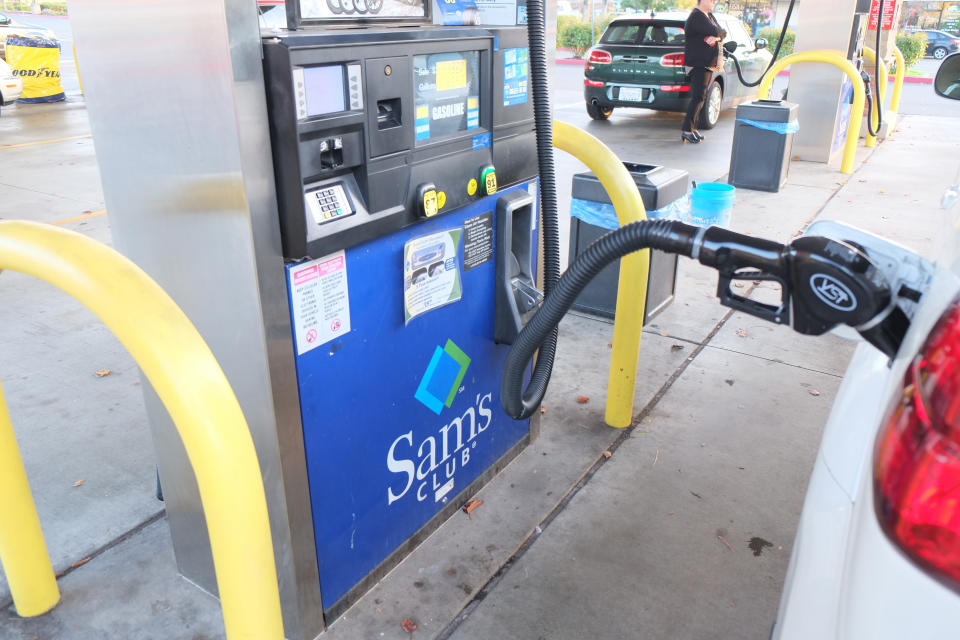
x,y
516,70
431,273
320,302
477,240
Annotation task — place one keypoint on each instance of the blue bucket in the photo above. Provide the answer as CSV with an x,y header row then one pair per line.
x,y
711,203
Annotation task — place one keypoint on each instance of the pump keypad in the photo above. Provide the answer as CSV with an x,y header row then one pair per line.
x,y
329,204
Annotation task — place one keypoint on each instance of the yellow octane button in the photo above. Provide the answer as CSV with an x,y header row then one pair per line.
x,y
472,187
441,199
489,179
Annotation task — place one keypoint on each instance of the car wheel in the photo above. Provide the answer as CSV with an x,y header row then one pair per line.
x,y
940,53
710,112
597,112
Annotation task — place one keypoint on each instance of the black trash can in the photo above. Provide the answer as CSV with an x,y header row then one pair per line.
x,y
762,144
659,187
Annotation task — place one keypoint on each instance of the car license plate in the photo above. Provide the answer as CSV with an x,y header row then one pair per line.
x,y
634,94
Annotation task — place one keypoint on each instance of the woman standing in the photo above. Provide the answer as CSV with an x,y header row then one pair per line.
x,y
702,57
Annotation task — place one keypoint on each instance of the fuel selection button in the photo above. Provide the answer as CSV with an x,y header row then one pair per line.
x,y
427,200
488,181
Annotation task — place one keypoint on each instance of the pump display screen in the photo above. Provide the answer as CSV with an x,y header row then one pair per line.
x,y
446,93
323,87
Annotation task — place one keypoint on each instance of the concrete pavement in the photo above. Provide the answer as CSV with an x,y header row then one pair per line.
x,y
683,532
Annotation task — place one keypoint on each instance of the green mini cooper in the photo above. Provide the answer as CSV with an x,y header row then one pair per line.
x,y
639,63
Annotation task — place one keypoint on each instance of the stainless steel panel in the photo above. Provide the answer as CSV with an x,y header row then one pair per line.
x,y
815,87
174,91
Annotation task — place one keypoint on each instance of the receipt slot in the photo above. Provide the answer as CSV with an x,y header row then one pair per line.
x,y
397,153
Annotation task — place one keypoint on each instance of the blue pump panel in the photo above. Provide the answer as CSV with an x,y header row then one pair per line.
x,y
399,417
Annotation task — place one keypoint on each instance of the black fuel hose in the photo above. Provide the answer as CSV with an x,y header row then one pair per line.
x,y
666,235
543,121
776,52
876,104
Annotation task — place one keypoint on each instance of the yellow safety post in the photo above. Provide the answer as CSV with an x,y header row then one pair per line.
x,y
77,67
634,268
882,82
836,59
198,398
897,82
23,552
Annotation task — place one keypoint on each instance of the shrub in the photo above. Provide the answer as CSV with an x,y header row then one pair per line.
x,y
54,7
576,36
913,46
773,36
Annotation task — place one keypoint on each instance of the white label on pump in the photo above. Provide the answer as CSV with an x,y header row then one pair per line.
x,y
320,301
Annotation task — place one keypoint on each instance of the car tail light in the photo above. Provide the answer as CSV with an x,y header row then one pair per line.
x,y
675,87
672,60
593,83
917,458
599,56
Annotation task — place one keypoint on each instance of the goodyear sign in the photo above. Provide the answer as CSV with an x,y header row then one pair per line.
x,y
37,63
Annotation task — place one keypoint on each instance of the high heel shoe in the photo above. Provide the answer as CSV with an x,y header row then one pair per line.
x,y
689,137
699,135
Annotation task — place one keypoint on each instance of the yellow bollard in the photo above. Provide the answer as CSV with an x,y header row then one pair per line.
x,y
196,394
23,552
882,82
897,82
837,60
634,268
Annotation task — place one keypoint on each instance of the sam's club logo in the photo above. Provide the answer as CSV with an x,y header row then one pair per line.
x,y
442,378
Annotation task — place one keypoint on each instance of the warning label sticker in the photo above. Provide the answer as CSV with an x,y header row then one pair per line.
x,y
477,240
320,302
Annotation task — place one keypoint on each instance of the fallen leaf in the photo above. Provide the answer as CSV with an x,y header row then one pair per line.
x,y
78,483
738,285
663,333
676,347
543,409
607,454
729,381
861,180
882,191
741,332
471,506
582,399
80,563
408,625
609,345
102,373
814,392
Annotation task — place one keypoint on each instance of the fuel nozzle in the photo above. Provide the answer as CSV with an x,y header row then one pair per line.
x,y
866,82
823,283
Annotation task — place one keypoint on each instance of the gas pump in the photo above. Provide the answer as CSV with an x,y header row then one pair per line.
x,y
825,95
408,195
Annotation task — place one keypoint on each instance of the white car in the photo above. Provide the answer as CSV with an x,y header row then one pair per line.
x,y
877,552
10,86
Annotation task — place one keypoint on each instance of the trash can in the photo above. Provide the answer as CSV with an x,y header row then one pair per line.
x,y
593,215
711,203
762,144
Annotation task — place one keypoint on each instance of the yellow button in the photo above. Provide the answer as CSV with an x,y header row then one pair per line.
x,y
441,199
472,187
430,206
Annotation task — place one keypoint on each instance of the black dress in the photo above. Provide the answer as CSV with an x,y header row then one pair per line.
x,y
700,56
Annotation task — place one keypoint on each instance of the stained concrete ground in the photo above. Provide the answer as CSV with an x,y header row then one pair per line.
x,y
685,531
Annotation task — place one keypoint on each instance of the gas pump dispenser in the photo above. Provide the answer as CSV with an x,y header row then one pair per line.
x,y
823,92
406,168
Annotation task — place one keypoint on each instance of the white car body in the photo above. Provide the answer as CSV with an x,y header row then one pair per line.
x,y
10,86
847,579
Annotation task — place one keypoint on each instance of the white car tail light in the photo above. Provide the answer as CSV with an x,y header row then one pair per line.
x,y
917,457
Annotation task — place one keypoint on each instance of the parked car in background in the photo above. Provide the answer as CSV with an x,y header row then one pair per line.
x,y
638,63
10,87
877,550
940,44
11,27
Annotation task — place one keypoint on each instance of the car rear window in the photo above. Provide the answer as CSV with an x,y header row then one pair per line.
x,y
647,32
